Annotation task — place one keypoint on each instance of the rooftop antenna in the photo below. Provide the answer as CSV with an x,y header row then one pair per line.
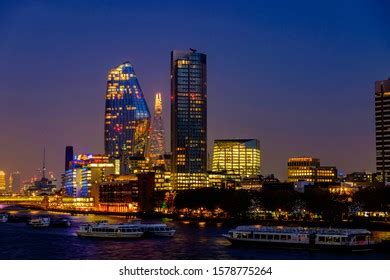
x,y
44,163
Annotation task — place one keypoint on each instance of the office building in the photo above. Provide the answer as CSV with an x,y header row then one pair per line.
x,y
309,169
86,174
68,157
188,119
2,182
237,156
127,117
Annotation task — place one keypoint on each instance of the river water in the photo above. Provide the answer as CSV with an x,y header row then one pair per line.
x,y
193,240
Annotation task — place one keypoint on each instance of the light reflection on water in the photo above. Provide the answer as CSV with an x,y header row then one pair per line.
x,y
193,240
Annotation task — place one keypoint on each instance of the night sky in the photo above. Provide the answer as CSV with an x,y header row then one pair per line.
x,y
297,76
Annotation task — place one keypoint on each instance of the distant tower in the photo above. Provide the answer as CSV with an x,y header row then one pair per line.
x,y
15,182
156,143
127,117
68,157
2,182
382,120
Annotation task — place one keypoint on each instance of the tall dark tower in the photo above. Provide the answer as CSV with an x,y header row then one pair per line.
x,y
127,117
188,119
382,127
68,157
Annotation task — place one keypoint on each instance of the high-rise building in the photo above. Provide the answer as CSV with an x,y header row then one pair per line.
x,y
188,119
237,156
309,169
15,182
156,148
127,117
68,157
382,127
2,182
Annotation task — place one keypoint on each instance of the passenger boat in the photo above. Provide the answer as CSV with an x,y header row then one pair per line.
x,y
102,229
158,229
40,222
3,218
298,237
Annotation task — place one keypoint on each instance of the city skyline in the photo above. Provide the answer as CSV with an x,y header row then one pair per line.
x,y
56,120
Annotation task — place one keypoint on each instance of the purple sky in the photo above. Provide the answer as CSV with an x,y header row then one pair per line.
x,y
297,76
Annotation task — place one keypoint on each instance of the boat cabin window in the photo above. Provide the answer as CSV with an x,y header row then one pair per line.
x,y
336,239
257,236
321,238
283,237
276,237
343,239
263,236
270,237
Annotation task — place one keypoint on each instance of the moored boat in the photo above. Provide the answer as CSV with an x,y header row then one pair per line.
x,y
61,222
103,229
298,237
39,222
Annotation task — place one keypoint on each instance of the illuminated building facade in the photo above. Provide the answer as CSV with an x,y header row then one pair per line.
x,y
382,127
309,169
127,117
156,148
2,182
237,156
188,119
128,193
87,172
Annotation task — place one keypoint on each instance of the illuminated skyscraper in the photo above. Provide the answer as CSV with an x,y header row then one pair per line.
x,y
2,182
382,127
127,117
237,156
156,143
188,119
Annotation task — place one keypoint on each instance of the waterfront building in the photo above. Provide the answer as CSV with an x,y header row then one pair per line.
x,y
382,127
15,182
237,156
309,169
156,149
2,182
86,174
127,193
188,119
127,117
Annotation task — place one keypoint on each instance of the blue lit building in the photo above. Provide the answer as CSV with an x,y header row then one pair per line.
x,y
127,117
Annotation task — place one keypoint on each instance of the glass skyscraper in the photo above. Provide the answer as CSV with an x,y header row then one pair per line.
x,y
156,149
188,119
127,117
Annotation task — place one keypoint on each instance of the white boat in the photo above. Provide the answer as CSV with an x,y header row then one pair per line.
x,y
40,222
3,218
158,229
103,229
298,237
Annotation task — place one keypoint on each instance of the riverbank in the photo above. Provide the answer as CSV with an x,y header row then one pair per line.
x,y
357,223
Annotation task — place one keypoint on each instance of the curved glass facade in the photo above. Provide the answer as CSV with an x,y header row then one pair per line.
x,y
127,117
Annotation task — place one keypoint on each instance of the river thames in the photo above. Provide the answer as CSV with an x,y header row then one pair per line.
x,y
193,240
